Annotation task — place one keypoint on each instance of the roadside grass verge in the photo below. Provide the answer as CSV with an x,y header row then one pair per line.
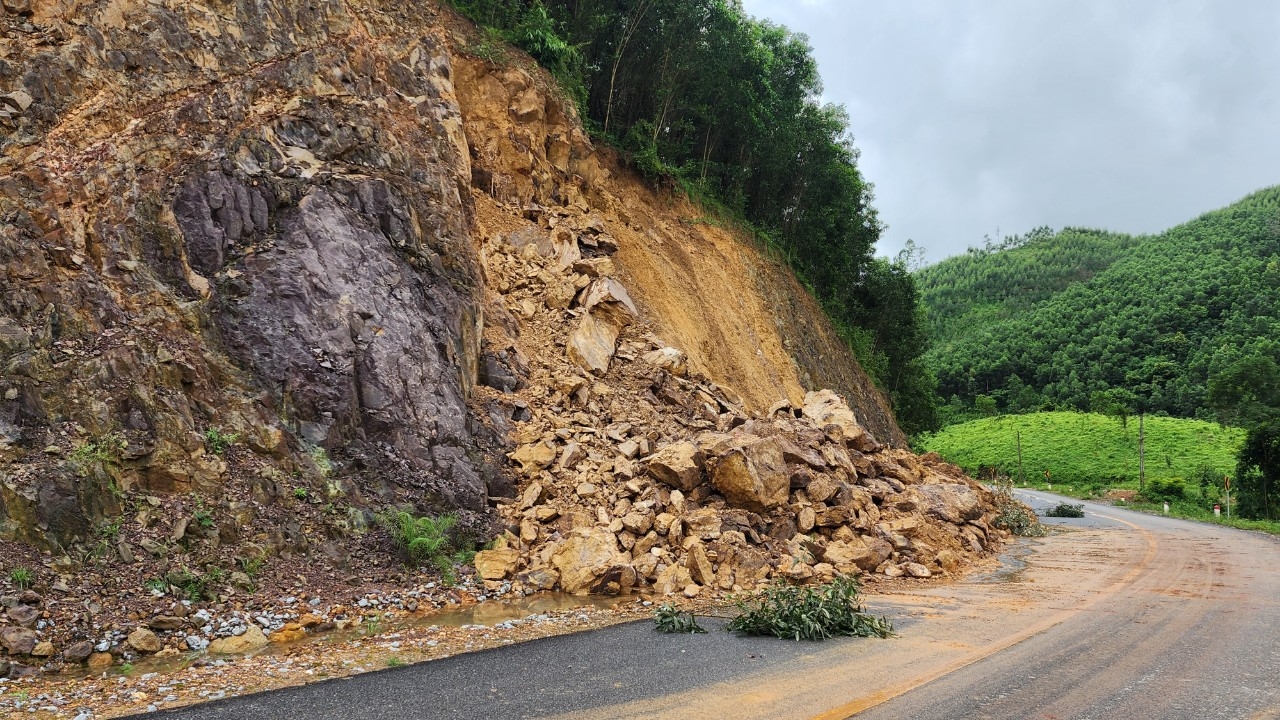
x,y
1087,449
1094,457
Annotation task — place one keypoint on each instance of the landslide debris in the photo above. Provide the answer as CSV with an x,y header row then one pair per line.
x,y
637,473
267,270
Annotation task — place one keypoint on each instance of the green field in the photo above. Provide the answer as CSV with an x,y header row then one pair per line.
x,y
1089,450
1088,454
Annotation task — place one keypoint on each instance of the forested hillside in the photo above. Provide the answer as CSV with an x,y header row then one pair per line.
x,y
699,93
1182,323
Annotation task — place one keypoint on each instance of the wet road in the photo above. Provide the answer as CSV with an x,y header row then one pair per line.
x,y
1119,615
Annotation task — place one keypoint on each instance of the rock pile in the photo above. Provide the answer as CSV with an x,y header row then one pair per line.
x,y
638,472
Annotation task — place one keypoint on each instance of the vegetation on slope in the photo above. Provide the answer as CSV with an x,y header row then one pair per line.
x,y
1088,450
699,93
1090,320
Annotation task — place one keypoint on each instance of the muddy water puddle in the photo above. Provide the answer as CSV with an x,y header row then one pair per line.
x,y
1013,563
541,607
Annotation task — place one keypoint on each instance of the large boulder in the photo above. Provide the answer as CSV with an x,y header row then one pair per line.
x,y
678,465
608,309
17,640
585,558
955,503
144,641
824,407
753,476
251,640
498,563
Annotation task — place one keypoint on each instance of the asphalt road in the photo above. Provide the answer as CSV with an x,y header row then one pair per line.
x,y
1121,615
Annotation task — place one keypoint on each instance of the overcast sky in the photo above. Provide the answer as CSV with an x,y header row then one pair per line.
x,y
983,116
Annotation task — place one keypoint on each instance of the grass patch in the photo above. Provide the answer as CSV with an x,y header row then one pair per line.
x,y
216,441
1087,449
22,578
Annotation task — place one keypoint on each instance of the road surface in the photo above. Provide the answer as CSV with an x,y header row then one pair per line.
x,y
1118,615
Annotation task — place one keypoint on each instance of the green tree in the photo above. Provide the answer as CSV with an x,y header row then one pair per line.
x,y
1258,471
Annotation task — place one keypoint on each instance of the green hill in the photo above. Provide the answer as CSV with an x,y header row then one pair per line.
x,y
1080,319
1087,449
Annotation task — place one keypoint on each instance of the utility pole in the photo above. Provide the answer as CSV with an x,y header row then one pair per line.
x,y
1142,460
1022,480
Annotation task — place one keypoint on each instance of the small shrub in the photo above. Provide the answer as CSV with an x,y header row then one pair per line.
x,y
1166,489
1065,510
669,619
21,578
423,540
157,585
192,585
251,566
395,662
1014,516
98,451
300,493
217,442
809,613
372,625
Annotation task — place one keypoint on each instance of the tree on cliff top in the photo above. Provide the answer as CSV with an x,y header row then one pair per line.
x,y
729,106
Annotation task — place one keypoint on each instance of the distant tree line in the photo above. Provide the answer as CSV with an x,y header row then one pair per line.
x,y
1185,323
728,106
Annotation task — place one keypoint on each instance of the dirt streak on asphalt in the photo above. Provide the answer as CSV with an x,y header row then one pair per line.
x,y
1142,617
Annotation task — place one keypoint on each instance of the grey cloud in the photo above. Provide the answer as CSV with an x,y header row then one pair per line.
x,y
985,115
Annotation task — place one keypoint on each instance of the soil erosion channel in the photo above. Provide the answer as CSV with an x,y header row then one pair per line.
x,y
1120,615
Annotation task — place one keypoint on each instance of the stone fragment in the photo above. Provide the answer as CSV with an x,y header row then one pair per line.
x,y
24,615
496,564
584,557
825,407
637,522
947,560
539,579
669,359
166,622
847,557
291,632
18,640
699,565
252,639
43,649
571,456
77,652
534,457
100,660
806,519
703,523
19,100
753,476
678,465
916,570
952,502
531,496
144,640
822,488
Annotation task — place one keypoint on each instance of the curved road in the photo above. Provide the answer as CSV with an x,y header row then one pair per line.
x,y
1119,615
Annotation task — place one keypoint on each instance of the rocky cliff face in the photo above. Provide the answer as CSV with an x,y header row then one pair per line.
x,y
254,220
267,267
246,219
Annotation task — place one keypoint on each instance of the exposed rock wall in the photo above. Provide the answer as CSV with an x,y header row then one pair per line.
x,y
248,218
257,220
